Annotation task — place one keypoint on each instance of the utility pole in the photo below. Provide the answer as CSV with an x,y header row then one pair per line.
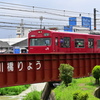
x,y
41,18
22,28
94,18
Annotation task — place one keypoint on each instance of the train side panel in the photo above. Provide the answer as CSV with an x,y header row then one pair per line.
x,y
63,42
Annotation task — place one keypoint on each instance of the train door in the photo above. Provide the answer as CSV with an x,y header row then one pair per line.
x,y
90,45
56,44
65,44
62,44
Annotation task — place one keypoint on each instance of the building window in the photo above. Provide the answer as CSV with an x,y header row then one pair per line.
x,y
90,43
98,43
79,43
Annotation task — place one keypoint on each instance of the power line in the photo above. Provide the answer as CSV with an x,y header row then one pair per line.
x,y
15,4
34,7
7,28
45,12
43,8
14,9
56,19
33,17
26,24
36,11
55,12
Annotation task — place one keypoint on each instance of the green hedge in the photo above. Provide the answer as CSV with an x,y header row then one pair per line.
x,y
35,95
14,90
79,95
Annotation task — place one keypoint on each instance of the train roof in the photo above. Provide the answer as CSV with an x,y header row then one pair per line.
x,y
78,33
81,33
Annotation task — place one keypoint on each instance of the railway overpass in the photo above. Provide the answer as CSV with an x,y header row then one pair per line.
x,y
20,69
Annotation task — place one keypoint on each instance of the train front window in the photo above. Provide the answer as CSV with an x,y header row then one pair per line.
x,y
40,42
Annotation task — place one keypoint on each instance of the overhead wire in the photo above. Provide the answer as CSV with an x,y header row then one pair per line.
x,y
43,8
63,11
38,10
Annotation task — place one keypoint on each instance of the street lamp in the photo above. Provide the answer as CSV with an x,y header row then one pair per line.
x,y
41,18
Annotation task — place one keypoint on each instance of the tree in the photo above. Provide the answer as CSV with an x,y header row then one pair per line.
x,y
79,95
66,73
96,73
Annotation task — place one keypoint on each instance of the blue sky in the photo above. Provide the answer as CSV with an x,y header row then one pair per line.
x,y
86,6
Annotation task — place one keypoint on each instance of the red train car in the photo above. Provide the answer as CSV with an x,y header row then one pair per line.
x,y
46,41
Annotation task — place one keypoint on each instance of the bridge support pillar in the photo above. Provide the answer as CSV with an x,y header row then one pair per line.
x,y
46,94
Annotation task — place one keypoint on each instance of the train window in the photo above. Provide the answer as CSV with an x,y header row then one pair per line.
x,y
90,43
65,42
46,34
98,43
56,41
47,42
61,42
40,41
31,42
79,43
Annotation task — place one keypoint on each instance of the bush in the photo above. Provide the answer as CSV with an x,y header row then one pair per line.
x,y
14,90
66,73
35,95
96,73
80,96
